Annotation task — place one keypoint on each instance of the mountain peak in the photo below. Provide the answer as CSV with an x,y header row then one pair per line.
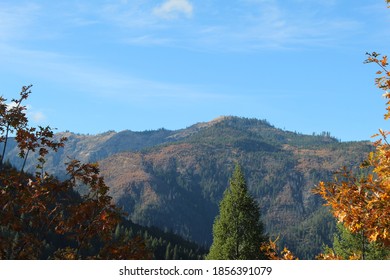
x,y
212,122
236,121
221,118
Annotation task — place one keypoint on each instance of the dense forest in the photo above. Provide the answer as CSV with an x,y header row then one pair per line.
x,y
174,180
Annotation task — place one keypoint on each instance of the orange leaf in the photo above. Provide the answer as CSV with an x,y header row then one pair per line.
x,y
384,61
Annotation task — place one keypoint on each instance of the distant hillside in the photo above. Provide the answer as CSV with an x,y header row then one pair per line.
x,y
175,179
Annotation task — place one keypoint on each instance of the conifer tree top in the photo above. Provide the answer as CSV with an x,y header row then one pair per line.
x,y
238,231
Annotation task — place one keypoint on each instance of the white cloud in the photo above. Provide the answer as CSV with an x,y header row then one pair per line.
x,y
173,8
37,116
11,105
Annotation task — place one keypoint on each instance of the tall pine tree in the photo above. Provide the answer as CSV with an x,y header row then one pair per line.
x,y
237,231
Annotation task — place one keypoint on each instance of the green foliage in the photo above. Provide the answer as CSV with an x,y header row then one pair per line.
x,y
355,245
238,231
163,245
307,238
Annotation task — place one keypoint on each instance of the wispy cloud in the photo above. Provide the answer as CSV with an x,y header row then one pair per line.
x,y
270,25
130,16
69,72
242,26
147,40
16,19
239,26
174,8
76,70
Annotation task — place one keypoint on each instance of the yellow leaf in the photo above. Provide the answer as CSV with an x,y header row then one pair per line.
x,y
374,236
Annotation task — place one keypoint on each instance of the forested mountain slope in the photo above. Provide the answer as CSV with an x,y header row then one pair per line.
x,y
175,179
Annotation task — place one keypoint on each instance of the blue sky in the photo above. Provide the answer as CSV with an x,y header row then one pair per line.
x,y
100,65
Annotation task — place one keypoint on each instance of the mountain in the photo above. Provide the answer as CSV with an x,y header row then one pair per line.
x,y
175,179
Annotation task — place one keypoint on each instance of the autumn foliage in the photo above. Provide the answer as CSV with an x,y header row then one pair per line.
x,y
270,250
44,218
362,203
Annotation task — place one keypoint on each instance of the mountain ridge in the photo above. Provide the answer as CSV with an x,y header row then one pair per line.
x,y
174,179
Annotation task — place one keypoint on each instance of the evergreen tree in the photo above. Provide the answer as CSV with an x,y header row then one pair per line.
x,y
238,231
168,251
356,246
175,253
